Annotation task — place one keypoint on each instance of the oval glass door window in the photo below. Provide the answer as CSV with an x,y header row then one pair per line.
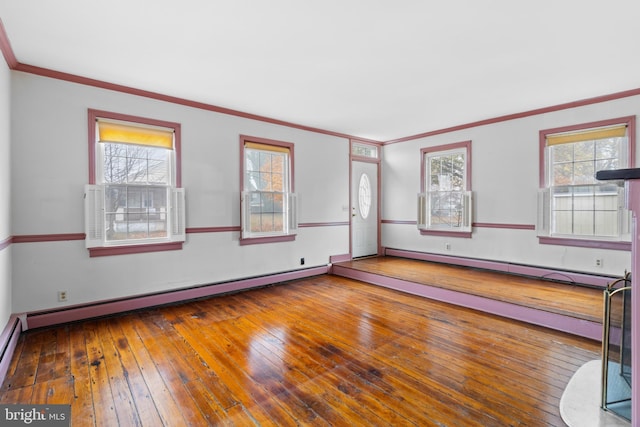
x,y
364,196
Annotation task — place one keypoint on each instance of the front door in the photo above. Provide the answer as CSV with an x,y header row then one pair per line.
x,y
364,209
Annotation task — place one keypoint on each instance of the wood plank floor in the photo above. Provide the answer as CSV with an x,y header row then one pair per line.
x,y
319,351
577,301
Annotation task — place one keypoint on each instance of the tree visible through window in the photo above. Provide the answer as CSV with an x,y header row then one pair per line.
x,y
268,202
132,197
265,179
137,184
445,203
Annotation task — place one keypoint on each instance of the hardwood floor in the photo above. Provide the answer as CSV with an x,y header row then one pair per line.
x,y
562,298
319,351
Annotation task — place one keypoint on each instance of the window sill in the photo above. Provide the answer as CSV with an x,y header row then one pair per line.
x,y
268,239
584,243
134,249
446,233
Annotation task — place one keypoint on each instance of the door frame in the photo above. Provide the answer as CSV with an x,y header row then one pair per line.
x,y
355,157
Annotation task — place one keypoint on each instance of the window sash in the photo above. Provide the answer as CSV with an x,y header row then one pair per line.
x,y
593,212
445,210
96,218
364,150
574,204
274,219
450,173
134,163
269,207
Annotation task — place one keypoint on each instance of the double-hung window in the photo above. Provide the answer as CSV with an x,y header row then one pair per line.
x,y
445,201
268,205
133,202
573,206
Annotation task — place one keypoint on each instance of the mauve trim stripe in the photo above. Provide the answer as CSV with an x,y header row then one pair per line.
x,y
5,46
34,238
507,226
195,230
30,238
475,224
6,243
322,224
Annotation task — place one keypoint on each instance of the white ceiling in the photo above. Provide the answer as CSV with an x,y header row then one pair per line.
x,y
377,69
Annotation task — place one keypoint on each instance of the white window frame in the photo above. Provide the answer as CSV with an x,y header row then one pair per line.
x,y
250,193
430,197
96,240
557,200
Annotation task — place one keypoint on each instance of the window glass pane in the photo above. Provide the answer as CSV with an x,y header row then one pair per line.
x,y
585,210
608,164
137,167
265,171
265,161
583,202
446,172
252,182
606,198
252,160
583,223
562,174
445,188
135,212
563,153
445,209
267,212
128,163
364,195
458,166
584,150
266,178
606,223
584,172
114,163
562,222
277,202
607,148
580,206
364,150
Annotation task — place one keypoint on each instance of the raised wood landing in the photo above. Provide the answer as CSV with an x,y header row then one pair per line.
x,y
563,306
319,351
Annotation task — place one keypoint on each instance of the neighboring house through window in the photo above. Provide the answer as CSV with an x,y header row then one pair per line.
x,y
574,208
133,202
445,202
268,202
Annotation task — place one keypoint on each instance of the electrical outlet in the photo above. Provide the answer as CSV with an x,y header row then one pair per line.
x,y
301,261
447,246
599,262
62,296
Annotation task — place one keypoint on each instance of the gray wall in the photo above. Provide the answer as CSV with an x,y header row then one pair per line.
x,y
5,191
505,182
49,142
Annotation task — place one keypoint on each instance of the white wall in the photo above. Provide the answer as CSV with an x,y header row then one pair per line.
x,y
49,142
505,180
5,217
